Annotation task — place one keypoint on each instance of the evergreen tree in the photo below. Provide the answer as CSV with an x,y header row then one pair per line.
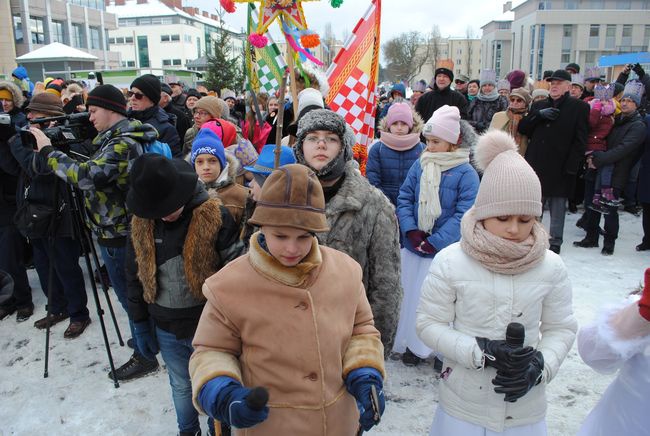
x,y
224,69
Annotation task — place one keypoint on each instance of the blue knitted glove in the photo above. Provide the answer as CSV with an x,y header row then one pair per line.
x,y
224,399
358,383
145,340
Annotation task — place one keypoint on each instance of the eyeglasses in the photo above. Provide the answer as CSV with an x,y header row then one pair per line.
x,y
137,95
516,100
459,82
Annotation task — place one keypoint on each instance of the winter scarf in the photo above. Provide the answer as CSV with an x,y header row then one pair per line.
x,y
433,165
498,254
470,98
400,142
515,115
488,97
268,266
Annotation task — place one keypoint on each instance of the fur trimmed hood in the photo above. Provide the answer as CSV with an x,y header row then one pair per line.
x,y
418,123
16,93
468,136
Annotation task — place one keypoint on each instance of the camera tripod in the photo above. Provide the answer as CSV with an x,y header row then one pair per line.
x,y
74,199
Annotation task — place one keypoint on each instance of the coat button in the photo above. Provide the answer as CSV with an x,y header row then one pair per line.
x,y
313,376
302,305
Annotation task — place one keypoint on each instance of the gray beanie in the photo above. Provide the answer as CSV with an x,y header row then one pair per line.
x,y
325,119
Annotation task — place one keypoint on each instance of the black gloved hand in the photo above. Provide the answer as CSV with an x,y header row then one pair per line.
x,y
638,69
516,385
503,357
549,113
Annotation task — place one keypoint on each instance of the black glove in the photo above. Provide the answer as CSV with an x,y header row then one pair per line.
x,y
516,385
549,113
503,357
638,69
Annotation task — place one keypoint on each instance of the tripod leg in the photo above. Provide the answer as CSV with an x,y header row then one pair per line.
x,y
50,285
93,251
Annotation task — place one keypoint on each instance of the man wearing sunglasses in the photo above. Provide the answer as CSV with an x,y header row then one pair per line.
x,y
144,97
460,84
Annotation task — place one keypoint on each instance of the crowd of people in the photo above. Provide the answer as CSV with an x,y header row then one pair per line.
x,y
300,279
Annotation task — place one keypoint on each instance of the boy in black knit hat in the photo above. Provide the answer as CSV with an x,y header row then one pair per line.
x,y
104,181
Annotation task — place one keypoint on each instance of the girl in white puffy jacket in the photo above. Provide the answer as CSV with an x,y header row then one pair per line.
x,y
500,272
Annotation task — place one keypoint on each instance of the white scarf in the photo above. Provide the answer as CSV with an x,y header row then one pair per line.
x,y
433,165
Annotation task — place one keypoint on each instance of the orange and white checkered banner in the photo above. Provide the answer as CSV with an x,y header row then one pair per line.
x,y
353,79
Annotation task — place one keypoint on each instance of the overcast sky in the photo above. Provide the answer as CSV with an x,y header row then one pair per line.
x,y
452,16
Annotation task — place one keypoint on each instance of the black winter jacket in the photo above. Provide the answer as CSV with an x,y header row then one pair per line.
x,y
480,112
624,148
169,243
556,148
432,100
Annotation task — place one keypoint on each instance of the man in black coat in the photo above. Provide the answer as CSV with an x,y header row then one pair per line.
x,y
557,131
624,147
182,121
143,98
441,95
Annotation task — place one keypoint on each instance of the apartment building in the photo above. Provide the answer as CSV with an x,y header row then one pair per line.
x,y
464,53
81,24
546,35
165,34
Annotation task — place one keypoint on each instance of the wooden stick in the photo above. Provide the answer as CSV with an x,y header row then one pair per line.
x,y
279,122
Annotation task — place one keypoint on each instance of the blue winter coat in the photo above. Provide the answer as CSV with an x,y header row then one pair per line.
x,y
386,168
458,189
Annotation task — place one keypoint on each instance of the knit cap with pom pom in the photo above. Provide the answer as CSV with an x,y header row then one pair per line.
x,y
509,185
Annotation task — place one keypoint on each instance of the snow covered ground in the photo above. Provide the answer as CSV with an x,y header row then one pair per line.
x,y
78,397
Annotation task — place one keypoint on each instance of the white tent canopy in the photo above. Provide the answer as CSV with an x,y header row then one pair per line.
x,y
56,52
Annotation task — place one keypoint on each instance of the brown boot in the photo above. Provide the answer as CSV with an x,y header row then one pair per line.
x,y
51,319
76,328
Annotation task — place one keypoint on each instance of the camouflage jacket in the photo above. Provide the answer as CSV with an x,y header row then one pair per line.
x,y
104,178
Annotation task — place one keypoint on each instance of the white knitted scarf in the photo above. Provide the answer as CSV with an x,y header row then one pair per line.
x,y
433,165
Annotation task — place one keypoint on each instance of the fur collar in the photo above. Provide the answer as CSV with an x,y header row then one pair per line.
x,y
227,176
353,193
299,276
200,258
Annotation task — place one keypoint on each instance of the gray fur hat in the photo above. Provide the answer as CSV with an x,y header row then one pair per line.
x,y
16,93
324,119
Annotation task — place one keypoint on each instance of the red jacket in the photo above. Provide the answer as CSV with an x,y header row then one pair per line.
x,y
599,128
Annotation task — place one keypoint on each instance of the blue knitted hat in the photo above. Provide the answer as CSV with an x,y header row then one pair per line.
x,y
208,142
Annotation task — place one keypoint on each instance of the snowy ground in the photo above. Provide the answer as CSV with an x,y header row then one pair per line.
x,y
78,397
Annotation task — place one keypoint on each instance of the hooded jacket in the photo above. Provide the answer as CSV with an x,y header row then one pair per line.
x,y
167,263
18,117
104,178
164,125
386,168
232,195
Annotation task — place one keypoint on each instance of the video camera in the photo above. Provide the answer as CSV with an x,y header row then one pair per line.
x,y
72,129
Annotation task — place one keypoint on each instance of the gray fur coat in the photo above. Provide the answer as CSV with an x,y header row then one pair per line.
x,y
363,225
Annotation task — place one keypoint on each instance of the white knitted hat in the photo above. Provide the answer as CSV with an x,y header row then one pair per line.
x,y
509,185
444,124
310,97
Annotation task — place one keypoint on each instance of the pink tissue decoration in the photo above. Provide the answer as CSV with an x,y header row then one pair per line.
x,y
258,40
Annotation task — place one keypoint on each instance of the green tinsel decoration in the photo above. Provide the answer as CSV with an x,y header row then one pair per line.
x,y
336,3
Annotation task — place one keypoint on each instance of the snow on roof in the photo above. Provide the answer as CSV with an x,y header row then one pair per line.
x,y
155,8
56,51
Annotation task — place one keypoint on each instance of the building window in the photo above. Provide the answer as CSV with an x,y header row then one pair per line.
x,y
623,4
164,38
565,58
646,36
596,4
594,32
570,4
532,49
143,51
130,63
176,62
540,51
458,62
167,20
95,43
610,36
111,40
167,62
544,5
38,31
567,30
156,20
176,38
590,58
78,40
56,32
128,40
18,29
626,41
124,22
119,40
144,21
187,38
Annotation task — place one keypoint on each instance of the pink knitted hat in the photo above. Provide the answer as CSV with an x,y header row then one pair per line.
x,y
444,124
509,185
399,112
